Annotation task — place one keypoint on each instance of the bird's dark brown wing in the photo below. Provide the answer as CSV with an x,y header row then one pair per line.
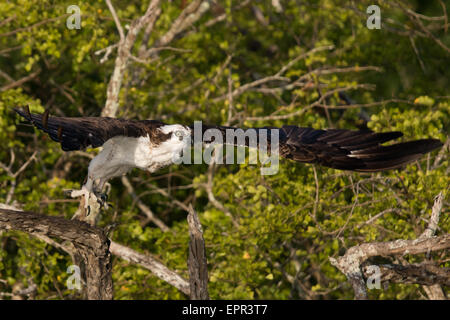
x,y
83,132
356,150
351,150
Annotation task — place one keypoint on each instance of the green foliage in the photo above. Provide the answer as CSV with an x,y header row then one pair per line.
x,y
289,224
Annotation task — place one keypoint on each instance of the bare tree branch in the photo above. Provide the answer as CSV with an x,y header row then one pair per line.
x,y
90,242
116,20
350,262
421,273
14,175
197,264
434,291
148,212
187,18
40,23
21,81
150,263
145,260
123,55
434,220
276,77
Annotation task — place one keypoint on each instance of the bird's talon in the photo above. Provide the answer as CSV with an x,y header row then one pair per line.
x,y
68,193
102,203
102,199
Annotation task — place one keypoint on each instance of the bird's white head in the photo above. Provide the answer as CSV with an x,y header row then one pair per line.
x,y
178,141
179,133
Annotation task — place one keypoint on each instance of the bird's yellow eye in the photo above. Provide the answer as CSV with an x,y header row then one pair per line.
x,y
179,134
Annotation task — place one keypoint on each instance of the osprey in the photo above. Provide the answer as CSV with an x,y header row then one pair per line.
x,y
151,145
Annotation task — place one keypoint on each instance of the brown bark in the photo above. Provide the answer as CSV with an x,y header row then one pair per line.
x,y
350,263
123,55
150,263
197,264
434,291
90,243
422,273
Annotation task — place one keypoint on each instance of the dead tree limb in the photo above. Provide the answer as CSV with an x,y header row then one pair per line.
x,y
150,263
191,14
146,261
91,215
125,47
21,81
197,264
89,242
144,208
434,291
350,263
426,274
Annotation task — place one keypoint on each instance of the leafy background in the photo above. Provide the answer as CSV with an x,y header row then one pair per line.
x,y
272,236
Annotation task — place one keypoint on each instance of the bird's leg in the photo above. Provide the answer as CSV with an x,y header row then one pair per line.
x,y
86,191
102,197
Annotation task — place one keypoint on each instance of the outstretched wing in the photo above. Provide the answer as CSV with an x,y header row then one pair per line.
x,y
356,150
83,132
352,150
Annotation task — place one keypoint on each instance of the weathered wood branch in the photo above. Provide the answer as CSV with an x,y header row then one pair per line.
x,y
21,81
350,263
91,215
434,219
89,242
421,273
146,261
150,263
434,291
144,208
124,49
197,264
191,14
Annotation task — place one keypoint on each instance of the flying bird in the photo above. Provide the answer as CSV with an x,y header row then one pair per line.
x,y
151,145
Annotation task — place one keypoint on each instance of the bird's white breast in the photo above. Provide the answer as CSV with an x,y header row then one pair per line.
x,y
137,152
120,154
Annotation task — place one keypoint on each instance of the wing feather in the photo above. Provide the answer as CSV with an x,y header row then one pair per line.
x,y
80,133
356,150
